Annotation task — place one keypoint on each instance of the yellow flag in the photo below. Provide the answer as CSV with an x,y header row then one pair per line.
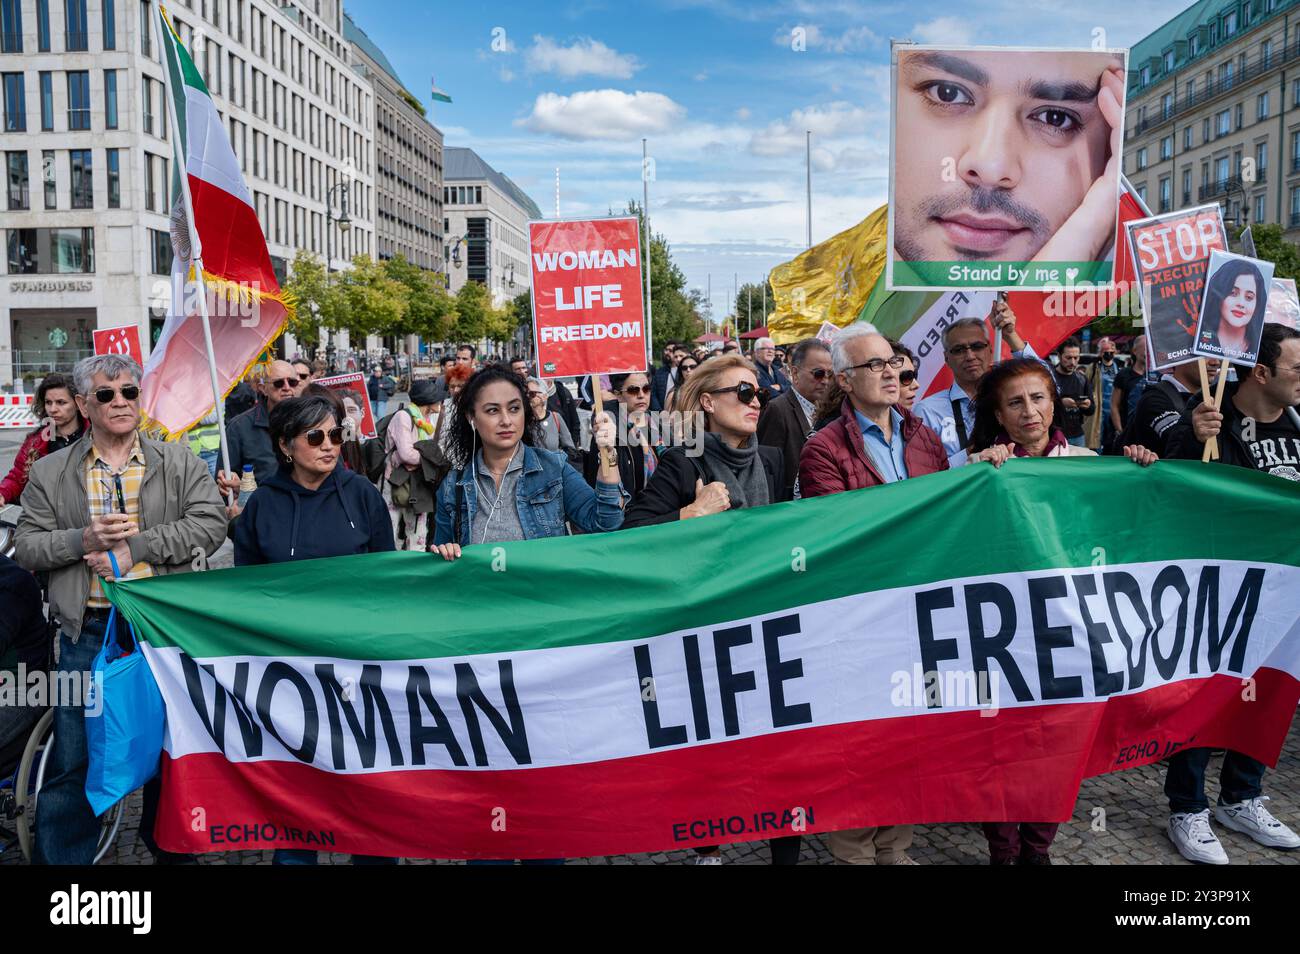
x,y
829,282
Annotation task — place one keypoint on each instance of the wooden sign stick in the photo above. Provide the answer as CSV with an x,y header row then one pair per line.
x,y
1211,451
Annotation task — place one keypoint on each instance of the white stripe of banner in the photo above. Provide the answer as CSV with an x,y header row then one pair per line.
x,y
839,661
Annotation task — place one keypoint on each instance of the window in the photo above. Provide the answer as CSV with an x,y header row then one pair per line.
x,y
47,101
109,10
1266,53
1261,106
1167,147
1259,209
1226,71
160,252
110,99
47,176
1187,137
1193,45
1166,195
1205,130
1295,93
15,103
1142,192
146,29
1221,170
1230,23
1187,186
1295,204
1169,61
51,251
1261,158
1241,111
146,96
1166,105
1295,150
43,25
75,33
1144,77
11,26
1141,159
83,180
16,174
78,99
112,163
1222,123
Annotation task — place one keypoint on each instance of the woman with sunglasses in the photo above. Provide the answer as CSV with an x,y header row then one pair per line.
x,y
733,472
311,508
909,383
638,451
61,425
689,364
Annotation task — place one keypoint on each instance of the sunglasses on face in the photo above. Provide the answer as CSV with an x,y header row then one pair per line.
x,y
316,436
877,365
279,383
745,392
687,368
976,346
819,374
906,377
637,390
106,395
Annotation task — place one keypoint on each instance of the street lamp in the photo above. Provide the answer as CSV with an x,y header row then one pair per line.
x,y
345,223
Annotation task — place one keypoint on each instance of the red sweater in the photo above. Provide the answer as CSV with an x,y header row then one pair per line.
x,y
835,460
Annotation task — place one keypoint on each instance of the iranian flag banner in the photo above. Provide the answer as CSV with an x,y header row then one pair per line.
x,y
246,307
965,646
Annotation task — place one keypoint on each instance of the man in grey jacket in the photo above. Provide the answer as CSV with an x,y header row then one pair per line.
x,y
155,508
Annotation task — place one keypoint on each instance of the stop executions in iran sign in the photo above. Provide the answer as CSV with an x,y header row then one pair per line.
x,y
588,313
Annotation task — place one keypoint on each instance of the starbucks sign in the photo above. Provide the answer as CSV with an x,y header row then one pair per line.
x,y
58,337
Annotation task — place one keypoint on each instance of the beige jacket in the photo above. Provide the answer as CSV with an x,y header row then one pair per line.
x,y
180,510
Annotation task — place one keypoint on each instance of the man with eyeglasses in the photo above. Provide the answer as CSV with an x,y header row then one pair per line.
x,y
770,375
966,350
787,420
154,507
248,436
872,442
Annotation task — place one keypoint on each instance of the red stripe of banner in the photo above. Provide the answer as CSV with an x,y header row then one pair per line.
x,y
233,245
1021,765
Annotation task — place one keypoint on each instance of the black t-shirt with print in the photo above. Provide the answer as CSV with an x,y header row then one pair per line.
x,y
1276,448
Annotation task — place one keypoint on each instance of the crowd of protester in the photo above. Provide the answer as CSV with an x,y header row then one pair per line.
x,y
475,456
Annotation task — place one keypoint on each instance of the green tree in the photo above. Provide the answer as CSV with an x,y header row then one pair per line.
x,y
1271,246
430,311
674,313
370,301
749,300
474,313
317,299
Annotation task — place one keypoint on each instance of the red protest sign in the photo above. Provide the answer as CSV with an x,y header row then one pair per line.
x,y
352,389
1170,255
124,340
588,314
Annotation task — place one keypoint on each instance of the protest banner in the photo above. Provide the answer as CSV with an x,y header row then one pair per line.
x,y
1171,253
694,700
1232,313
352,388
588,310
1283,303
1004,169
124,340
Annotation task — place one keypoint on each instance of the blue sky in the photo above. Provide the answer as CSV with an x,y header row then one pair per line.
x,y
717,88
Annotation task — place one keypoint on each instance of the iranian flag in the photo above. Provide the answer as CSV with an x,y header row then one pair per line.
x,y
246,307
965,646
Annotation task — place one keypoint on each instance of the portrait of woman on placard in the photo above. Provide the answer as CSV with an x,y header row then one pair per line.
x,y
1232,316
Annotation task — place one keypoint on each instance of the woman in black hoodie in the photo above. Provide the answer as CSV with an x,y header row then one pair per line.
x,y
311,508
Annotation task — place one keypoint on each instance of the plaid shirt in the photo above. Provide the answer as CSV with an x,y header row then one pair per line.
x,y
103,497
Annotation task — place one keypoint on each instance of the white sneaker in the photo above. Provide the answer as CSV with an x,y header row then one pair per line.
x,y
1252,818
1195,840
708,859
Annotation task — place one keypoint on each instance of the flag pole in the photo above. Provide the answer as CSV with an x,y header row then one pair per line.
x,y
196,246
645,216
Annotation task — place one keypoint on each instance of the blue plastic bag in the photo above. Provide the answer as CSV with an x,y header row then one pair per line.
x,y
124,736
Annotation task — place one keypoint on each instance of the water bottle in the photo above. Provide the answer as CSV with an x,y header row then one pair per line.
x,y
247,484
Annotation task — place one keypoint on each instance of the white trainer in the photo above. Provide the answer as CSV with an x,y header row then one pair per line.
x,y
708,859
1252,818
1195,840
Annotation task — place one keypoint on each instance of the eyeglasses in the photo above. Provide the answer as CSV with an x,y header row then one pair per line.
x,y
637,390
877,365
687,368
907,377
976,346
819,374
534,395
745,392
279,383
316,436
128,391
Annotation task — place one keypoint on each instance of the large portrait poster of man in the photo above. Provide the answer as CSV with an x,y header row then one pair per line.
x,y
1171,253
352,389
1005,166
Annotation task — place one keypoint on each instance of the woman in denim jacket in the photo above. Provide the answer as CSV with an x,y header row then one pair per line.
x,y
507,489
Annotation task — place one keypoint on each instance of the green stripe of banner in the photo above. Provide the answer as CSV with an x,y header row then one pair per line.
x,y
1031,515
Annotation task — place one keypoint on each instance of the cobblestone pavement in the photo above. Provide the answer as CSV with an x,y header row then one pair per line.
x,y
1119,819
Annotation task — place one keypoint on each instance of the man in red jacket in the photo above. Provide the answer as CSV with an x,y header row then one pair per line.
x,y
872,442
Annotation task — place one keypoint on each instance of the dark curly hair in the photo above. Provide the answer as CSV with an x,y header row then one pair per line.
x,y
53,380
988,395
461,441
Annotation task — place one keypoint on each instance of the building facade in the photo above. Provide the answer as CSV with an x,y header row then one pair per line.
x,y
408,162
1213,112
88,156
486,224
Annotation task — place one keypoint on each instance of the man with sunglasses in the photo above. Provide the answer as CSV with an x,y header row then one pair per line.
x,y
788,419
967,352
248,436
149,503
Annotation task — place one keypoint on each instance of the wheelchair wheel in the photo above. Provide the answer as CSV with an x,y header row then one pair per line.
x,y
28,783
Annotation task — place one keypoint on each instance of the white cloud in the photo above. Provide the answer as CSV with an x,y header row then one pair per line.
x,y
742,114
955,31
584,57
603,114
786,136
814,37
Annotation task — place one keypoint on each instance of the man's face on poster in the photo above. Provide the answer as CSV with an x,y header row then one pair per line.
x,y
994,150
